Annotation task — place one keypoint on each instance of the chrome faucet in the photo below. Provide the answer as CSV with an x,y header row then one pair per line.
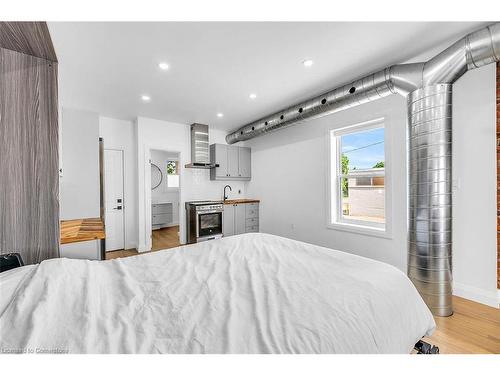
x,y
227,186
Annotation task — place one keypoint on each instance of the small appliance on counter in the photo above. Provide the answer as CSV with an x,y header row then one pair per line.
x,y
204,220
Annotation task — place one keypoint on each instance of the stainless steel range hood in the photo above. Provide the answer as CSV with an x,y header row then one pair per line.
x,y
200,155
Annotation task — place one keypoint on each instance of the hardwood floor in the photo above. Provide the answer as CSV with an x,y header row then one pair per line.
x,y
472,329
165,238
121,253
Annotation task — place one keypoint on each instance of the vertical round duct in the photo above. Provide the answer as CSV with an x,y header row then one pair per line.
x,y
430,195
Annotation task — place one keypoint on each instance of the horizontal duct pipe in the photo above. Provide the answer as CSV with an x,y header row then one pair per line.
x,y
474,50
428,87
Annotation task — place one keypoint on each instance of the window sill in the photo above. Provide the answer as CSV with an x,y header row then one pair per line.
x,y
360,229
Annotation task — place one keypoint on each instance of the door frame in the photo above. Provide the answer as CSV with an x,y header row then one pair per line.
x,y
124,202
148,227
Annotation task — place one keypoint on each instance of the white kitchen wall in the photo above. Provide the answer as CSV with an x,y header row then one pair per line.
x,y
119,135
195,183
162,193
289,175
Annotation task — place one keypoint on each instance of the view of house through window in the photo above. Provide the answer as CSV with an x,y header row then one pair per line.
x,y
360,176
172,174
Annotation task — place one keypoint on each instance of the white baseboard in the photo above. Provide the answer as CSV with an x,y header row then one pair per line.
x,y
486,297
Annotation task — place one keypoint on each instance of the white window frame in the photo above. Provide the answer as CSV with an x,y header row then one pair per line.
x,y
334,217
170,188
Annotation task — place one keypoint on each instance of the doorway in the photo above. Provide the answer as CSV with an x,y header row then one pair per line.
x,y
165,199
113,200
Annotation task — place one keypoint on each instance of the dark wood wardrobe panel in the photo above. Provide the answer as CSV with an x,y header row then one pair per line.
x,y
29,185
30,38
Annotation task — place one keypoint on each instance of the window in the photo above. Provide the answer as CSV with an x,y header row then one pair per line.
x,y
172,174
357,184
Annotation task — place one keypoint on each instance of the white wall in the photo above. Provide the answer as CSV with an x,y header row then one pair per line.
x,y
162,193
195,183
79,186
79,183
119,135
289,169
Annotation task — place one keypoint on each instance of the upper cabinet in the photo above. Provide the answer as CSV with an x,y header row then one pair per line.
x,y
234,162
244,162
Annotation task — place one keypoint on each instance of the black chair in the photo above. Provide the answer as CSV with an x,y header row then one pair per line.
x,y
10,261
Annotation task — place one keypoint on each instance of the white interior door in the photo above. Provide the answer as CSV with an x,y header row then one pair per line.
x,y
113,190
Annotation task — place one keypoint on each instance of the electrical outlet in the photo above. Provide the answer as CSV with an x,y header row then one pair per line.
x,y
292,226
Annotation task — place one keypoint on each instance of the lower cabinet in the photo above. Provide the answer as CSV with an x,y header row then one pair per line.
x,y
228,220
161,215
240,218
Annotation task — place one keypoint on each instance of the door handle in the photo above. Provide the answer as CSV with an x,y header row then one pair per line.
x,y
117,208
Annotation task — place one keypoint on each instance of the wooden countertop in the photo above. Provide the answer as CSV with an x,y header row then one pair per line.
x,y
80,230
241,201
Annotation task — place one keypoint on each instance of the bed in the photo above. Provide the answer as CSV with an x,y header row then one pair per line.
x,y
253,293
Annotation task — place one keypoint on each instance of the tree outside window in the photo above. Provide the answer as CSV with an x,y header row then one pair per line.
x,y
172,167
172,174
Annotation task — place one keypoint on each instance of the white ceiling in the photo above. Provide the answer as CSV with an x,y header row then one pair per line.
x,y
106,67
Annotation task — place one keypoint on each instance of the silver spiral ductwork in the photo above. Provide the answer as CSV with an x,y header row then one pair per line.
x,y
428,87
396,79
429,227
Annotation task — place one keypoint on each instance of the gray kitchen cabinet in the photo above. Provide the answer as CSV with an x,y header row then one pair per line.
x,y
244,160
240,218
234,162
228,220
161,215
218,155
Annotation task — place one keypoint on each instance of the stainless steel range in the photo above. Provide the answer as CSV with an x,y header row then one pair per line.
x,y
204,220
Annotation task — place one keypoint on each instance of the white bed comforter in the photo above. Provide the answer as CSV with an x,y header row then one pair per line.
x,y
254,293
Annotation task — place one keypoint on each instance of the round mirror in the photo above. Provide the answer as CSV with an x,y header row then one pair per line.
x,y
156,176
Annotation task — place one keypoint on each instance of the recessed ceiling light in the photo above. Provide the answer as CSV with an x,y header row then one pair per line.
x,y
308,63
220,115
163,66
145,98
252,96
